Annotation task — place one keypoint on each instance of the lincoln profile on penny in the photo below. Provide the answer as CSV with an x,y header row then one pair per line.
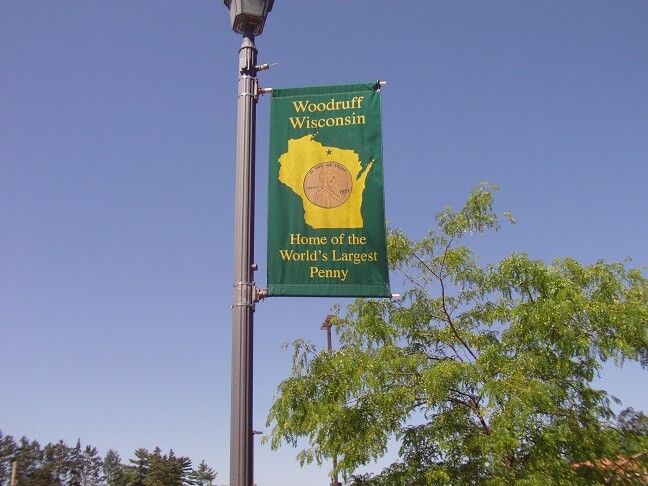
x,y
328,194
328,185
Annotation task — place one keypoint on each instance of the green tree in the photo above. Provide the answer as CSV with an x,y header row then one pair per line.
x,y
8,449
203,475
160,470
90,466
633,437
75,465
33,467
114,472
57,462
156,469
139,468
483,373
181,468
167,469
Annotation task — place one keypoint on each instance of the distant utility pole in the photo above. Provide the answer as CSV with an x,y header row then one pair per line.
x,y
327,324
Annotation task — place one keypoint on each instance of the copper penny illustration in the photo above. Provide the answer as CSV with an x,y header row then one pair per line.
x,y
328,185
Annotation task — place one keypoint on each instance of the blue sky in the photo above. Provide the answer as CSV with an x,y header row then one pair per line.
x,y
117,139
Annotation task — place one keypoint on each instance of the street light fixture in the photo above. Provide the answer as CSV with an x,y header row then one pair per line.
x,y
248,15
248,18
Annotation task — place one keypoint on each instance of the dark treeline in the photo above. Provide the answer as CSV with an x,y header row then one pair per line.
x,y
62,465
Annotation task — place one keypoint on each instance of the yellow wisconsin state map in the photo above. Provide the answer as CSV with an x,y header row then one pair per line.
x,y
329,180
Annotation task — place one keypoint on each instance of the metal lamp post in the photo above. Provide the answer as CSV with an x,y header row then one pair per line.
x,y
248,18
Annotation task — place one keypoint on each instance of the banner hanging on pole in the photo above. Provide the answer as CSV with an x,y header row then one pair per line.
x,y
326,210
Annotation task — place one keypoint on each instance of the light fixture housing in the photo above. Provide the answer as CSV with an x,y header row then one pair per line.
x,y
248,16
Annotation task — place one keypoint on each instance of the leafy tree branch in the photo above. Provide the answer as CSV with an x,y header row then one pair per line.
x,y
483,373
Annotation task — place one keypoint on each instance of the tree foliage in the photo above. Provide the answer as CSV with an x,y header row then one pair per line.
x,y
167,469
114,472
483,373
57,464
203,475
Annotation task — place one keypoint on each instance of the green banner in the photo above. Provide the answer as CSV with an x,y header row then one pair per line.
x,y
326,211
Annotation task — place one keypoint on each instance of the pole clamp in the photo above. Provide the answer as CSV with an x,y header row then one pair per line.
x,y
246,294
254,93
243,292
